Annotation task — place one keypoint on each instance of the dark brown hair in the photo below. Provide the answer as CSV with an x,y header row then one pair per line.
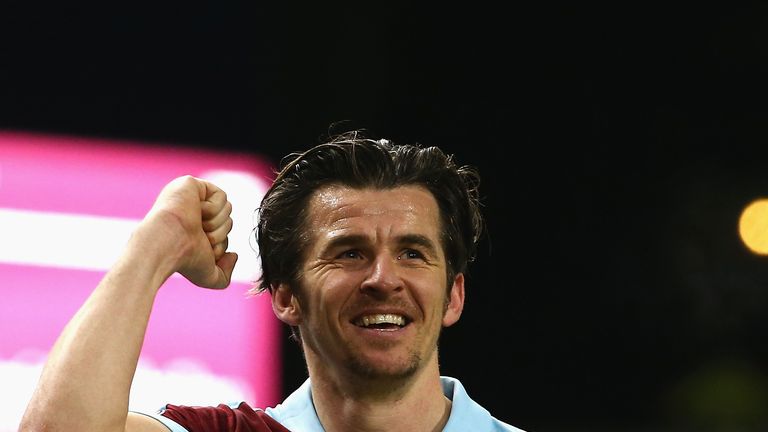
x,y
352,160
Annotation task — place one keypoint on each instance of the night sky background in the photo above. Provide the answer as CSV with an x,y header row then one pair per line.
x,y
617,144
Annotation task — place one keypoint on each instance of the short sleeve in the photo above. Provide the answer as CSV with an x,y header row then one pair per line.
x,y
223,418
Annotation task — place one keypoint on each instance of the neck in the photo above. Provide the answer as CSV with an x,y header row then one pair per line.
x,y
415,403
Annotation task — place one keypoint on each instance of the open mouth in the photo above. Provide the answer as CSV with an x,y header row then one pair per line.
x,y
381,321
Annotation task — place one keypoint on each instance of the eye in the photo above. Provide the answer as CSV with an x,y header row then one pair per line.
x,y
350,254
410,254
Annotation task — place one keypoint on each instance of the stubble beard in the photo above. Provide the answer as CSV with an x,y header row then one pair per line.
x,y
370,370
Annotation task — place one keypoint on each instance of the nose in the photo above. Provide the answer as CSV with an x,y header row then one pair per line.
x,y
383,277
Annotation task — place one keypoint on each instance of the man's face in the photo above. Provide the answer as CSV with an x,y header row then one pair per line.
x,y
372,296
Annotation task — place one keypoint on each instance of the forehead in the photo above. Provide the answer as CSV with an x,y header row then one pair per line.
x,y
337,207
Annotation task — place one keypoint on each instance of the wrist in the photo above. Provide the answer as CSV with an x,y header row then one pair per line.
x,y
153,252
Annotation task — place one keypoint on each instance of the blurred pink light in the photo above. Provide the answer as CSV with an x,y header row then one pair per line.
x,y
231,334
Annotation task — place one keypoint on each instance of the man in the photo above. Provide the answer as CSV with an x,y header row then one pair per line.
x,y
364,245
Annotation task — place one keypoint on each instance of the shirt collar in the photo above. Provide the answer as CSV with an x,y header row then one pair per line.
x,y
297,411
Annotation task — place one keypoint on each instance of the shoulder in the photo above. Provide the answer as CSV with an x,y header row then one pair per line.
x,y
297,411
466,414
237,417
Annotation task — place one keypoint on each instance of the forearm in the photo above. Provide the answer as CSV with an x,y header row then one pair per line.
x,y
86,381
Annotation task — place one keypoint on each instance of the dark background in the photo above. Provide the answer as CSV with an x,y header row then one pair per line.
x,y
617,144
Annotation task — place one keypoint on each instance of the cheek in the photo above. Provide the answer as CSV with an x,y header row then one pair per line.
x,y
328,293
432,298
341,281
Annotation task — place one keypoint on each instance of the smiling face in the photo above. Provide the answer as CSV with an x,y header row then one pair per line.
x,y
372,297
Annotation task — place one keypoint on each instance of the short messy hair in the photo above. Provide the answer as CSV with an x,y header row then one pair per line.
x,y
353,160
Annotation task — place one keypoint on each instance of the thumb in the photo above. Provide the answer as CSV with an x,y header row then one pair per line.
x,y
223,270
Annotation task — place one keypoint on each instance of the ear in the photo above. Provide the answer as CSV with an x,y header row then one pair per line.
x,y
455,301
285,304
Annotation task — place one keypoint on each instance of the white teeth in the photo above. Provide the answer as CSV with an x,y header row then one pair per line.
x,y
381,319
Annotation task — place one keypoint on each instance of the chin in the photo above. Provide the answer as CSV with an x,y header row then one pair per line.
x,y
388,368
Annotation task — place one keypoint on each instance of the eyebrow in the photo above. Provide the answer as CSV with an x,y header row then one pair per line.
x,y
352,240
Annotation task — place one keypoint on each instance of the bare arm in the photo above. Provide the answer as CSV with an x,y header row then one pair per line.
x,y
86,380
